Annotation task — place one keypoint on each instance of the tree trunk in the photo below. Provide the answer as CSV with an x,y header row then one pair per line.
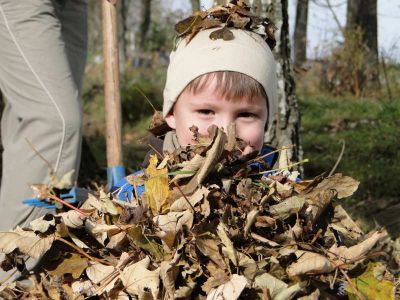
x,y
286,130
362,14
257,7
300,33
195,5
144,23
219,2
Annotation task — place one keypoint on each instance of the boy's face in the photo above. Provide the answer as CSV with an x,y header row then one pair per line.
x,y
207,107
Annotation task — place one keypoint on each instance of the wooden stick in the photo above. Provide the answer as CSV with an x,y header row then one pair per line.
x,y
111,85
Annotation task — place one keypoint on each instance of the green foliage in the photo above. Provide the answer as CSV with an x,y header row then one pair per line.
x,y
352,67
370,129
159,38
136,85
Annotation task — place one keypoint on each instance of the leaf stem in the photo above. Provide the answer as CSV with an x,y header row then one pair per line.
x,y
83,253
55,198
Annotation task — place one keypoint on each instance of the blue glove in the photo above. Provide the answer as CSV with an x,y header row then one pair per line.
x,y
124,189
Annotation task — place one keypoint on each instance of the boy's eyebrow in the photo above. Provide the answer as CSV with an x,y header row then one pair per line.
x,y
250,105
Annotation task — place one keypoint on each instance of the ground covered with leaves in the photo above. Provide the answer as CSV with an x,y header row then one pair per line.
x,y
211,224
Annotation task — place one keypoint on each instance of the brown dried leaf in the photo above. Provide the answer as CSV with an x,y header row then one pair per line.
x,y
229,290
73,264
209,248
345,186
318,204
342,222
213,155
218,278
90,228
99,273
107,205
345,254
77,241
287,207
250,219
186,25
229,250
210,23
182,204
141,282
192,165
43,224
168,274
223,33
310,263
239,21
117,240
273,284
72,219
26,241
171,224
291,291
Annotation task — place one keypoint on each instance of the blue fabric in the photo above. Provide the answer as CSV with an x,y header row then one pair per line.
x,y
115,174
269,159
125,190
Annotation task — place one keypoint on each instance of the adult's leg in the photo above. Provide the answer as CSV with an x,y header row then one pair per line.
x,y
74,30
42,122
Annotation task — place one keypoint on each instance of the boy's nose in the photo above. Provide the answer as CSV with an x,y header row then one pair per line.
x,y
225,121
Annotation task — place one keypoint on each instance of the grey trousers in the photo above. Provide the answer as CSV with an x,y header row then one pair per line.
x,y
43,47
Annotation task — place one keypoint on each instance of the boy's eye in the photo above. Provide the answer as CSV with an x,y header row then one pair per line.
x,y
205,112
246,115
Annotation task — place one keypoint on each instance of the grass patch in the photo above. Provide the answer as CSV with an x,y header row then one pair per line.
x,y
371,131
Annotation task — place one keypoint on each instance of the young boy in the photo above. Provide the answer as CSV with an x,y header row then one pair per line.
x,y
218,82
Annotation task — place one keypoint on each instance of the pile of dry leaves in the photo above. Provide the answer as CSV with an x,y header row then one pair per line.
x,y
208,226
235,14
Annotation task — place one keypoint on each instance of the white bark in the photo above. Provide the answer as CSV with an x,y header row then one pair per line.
x,y
286,130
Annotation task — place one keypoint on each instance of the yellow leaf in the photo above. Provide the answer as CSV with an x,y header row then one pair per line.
x,y
156,185
370,286
54,294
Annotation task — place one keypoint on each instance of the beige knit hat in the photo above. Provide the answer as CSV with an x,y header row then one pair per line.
x,y
247,53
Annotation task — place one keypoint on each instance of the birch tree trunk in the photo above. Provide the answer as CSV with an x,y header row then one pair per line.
x,y
285,132
300,33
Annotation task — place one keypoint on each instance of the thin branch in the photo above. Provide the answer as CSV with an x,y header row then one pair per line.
x,y
280,169
184,196
338,159
55,198
83,253
328,3
52,173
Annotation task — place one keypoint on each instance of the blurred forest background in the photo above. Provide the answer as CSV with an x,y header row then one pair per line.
x,y
349,95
